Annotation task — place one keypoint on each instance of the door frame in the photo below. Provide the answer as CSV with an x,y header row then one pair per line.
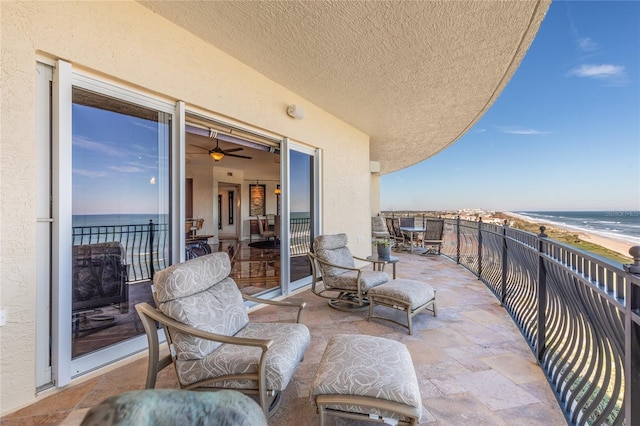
x,y
64,368
316,205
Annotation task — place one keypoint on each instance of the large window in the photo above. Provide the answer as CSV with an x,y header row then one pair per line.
x,y
120,215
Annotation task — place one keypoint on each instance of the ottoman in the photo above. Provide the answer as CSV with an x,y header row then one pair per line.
x,y
369,378
407,295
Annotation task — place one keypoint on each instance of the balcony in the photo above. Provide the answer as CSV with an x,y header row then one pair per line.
x,y
491,356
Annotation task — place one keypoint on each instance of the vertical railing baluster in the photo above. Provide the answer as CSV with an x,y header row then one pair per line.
x,y
632,339
542,297
151,271
458,240
503,292
479,248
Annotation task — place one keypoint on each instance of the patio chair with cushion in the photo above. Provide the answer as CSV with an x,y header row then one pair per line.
x,y
212,343
379,228
344,284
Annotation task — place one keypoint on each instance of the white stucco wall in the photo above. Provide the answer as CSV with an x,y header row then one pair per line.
x,y
375,194
126,43
203,199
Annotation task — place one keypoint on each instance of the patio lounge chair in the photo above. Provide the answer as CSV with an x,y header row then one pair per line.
x,y
212,343
344,284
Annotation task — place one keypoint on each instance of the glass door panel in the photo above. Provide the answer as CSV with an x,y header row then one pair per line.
x,y
301,214
120,208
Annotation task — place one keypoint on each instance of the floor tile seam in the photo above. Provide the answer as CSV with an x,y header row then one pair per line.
x,y
519,384
537,400
466,394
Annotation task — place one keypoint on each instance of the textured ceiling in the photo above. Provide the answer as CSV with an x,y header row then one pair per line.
x,y
414,76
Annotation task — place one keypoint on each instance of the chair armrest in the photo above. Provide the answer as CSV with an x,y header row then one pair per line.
x,y
324,262
166,321
149,314
299,305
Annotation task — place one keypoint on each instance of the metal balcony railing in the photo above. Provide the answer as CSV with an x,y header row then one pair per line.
x,y
579,313
300,236
146,246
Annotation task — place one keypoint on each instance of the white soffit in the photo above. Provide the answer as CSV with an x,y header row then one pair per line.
x,y
414,76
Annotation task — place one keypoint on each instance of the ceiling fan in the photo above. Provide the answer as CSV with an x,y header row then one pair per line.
x,y
218,153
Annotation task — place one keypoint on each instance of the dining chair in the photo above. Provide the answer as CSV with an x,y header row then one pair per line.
x,y
276,227
263,226
396,235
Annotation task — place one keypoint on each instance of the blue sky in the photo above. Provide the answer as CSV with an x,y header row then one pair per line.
x,y
115,163
563,135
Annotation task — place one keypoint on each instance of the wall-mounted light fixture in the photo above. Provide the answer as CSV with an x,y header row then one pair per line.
x,y
295,111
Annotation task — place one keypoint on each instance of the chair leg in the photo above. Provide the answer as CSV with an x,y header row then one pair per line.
x,y
155,363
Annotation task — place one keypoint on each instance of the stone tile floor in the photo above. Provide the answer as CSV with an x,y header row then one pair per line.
x,y
473,366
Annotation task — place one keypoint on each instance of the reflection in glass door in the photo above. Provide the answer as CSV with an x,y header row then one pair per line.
x,y
302,215
120,208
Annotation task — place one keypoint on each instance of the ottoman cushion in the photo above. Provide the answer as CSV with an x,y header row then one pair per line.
x,y
413,293
369,366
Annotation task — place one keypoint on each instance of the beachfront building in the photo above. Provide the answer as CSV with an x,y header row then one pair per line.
x,y
330,94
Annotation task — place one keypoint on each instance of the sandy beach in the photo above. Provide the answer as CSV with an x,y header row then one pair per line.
x,y
613,244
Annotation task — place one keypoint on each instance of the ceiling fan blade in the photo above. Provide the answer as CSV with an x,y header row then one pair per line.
x,y
206,149
239,156
233,149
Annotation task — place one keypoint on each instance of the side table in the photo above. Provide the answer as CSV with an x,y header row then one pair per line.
x,y
380,262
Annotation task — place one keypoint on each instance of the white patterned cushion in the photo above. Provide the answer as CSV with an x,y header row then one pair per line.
x,y
333,249
289,344
347,281
413,293
198,293
187,278
370,366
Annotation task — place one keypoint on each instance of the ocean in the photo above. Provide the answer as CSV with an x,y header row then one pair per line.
x,y
117,219
621,225
137,219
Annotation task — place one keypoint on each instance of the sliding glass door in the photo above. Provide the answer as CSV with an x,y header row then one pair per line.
x,y
302,199
120,215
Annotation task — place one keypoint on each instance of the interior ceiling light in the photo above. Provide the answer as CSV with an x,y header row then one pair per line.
x,y
216,153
